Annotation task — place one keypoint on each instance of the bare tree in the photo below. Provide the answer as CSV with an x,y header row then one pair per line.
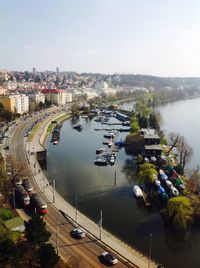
x,y
173,140
185,152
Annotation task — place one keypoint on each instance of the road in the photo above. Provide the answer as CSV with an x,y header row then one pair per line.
x,y
85,252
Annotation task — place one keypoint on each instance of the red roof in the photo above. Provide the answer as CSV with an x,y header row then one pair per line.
x,y
55,91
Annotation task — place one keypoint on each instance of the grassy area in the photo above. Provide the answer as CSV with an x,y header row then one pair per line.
x,y
6,214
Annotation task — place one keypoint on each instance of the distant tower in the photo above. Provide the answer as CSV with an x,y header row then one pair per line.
x,y
57,70
34,70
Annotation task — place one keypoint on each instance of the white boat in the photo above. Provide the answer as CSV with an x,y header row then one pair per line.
x,y
109,135
55,142
169,183
100,162
110,142
137,191
157,182
174,191
112,160
161,171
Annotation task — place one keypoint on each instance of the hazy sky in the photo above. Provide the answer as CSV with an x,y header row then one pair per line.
x,y
158,37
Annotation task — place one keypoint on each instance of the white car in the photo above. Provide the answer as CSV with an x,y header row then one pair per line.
x,y
78,233
109,258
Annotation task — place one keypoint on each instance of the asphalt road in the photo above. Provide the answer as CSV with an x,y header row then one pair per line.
x,y
84,252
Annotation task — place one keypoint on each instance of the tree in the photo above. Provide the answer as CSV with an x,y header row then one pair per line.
x,y
180,212
75,110
9,254
134,142
35,231
185,152
134,124
47,256
173,140
147,173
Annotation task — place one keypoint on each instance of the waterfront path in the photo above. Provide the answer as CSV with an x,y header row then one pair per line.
x,y
126,252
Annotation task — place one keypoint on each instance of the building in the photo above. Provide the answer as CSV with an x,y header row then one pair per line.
x,y
8,102
15,103
68,97
55,96
35,99
152,145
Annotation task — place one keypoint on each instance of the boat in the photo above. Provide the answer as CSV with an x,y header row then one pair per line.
x,y
174,191
120,143
78,127
100,151
105,142
112,160
109,135
126,123
101,162
137,191
169,183
110,142
157,182
55,142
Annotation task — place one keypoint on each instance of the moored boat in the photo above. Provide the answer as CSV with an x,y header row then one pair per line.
x,y
100,162
100,151
78,127
137,191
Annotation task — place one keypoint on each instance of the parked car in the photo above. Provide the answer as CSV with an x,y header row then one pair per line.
x,y
109,258
6,148
78,233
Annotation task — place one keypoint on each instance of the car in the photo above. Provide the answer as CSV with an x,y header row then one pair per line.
x,y
6,148
109,258
78,233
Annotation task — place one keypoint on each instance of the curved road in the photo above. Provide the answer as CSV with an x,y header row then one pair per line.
x,y
85,252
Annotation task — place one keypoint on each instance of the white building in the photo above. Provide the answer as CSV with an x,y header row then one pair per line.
x,y
55,96
21,103
35,99
68,97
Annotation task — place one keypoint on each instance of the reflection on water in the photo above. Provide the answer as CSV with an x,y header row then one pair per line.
x,y
109,189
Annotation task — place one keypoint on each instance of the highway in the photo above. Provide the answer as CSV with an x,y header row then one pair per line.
x,y
84,252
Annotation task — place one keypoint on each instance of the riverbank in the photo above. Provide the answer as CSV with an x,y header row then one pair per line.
x,y
131,255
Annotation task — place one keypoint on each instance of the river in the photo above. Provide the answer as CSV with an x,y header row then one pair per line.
x,y
71,164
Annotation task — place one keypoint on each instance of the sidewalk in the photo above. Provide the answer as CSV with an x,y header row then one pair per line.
x,y
128,253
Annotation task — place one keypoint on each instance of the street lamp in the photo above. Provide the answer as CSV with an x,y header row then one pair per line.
x,y
100,225
54,186
150,249
76,214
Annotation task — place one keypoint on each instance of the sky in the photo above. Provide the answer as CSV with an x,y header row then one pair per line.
x,y
155,37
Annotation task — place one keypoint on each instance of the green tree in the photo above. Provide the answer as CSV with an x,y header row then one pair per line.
x,y
134,124
47,256
147,173
35,231
9,254
180,212
134,143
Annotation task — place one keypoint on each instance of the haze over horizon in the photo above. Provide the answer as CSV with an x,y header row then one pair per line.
x,y
105,36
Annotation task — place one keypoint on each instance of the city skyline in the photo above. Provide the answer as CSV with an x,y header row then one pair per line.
x,y
105,36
